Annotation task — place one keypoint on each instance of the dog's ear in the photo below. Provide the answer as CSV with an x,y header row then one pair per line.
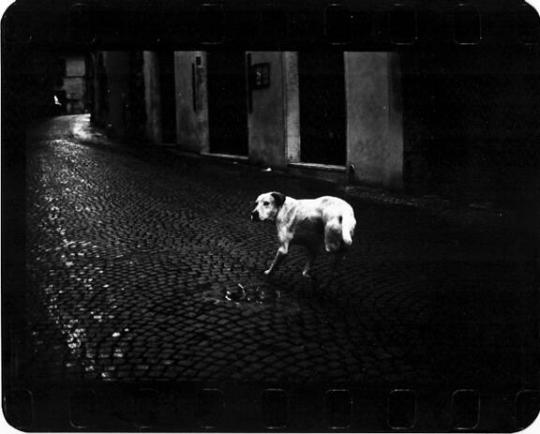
x,y
279,198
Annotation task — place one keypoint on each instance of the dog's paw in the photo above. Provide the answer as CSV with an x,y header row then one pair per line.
x,y
306,274
267,272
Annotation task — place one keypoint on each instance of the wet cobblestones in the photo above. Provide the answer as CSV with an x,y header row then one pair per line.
x,y
146,267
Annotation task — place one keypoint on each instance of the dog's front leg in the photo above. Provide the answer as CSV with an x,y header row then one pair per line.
x,y
280,254
309,263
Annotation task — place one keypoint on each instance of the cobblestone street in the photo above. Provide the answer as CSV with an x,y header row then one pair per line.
x,y
144,265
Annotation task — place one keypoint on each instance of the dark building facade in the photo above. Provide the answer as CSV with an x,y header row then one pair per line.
x,y
470,131
460,125
334,115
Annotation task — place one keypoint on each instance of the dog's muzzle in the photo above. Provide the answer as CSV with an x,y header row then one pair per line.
x,y
255,216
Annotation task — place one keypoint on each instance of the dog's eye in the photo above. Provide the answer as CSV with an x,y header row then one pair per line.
x,y
266,203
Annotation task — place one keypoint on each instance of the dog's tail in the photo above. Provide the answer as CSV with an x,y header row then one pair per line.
x,y
348,223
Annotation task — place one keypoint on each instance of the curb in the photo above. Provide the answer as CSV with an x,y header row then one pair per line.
x,y
482,215
475,214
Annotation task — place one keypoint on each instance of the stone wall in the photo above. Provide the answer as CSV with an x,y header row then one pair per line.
x,y
374,118
152,96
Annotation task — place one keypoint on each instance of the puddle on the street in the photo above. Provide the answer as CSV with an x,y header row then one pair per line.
x,y
249,295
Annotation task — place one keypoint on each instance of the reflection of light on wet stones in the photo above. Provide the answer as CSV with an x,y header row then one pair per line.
x,y
116,334
250,294
118,354
236,294
106,375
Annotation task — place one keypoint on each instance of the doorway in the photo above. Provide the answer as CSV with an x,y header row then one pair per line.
x,y
322,108
227,112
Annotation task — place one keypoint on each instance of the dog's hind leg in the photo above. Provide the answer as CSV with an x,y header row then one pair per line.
x,y
280,255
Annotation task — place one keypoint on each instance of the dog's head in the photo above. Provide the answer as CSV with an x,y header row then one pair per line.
x,y
267,206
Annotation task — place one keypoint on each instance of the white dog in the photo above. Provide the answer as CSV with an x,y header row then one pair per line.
x,y
327,221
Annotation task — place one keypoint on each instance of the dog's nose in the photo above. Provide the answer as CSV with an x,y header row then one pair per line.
x,y
254,216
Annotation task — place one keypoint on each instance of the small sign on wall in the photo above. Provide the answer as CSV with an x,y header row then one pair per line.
x,y
260,75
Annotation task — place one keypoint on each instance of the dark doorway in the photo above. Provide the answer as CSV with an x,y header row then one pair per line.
x,y
227,114
322,108
168,96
